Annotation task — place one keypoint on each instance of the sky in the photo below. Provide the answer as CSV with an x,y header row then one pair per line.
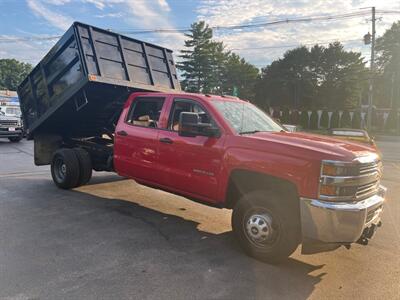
x,y
259,45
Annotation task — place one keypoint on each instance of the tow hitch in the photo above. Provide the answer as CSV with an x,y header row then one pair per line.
x,y
368,233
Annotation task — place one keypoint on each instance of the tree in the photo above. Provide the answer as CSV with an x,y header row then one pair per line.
x,y
314,120
208,68
304,119
314,78
287,81
345,121
356,122
12,72
335,120
195,66
239,74
387,83
324,119
344,74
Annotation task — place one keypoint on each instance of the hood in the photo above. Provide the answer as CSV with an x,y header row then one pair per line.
x,y
8,118
329,147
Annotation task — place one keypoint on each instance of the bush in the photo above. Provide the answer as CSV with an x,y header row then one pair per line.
x,y
285,119
374,118
345,121
391,122
276,114
295,117
304,119
334,120
324,123
314,120
356,123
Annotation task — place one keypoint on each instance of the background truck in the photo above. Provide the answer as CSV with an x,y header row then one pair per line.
x,y
106,102
10,127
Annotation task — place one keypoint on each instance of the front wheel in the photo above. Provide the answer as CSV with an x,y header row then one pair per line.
x,y
266,228
15,139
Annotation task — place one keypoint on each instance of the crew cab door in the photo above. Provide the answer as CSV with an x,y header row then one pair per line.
x,y
190,165
136,140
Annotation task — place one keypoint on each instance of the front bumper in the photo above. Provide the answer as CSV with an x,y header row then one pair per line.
x,y
5,133
328,225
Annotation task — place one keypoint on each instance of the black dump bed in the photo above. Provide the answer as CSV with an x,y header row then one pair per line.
x,y
79,87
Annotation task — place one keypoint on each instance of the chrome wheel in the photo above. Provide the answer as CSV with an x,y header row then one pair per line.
x,y
60,169
260,229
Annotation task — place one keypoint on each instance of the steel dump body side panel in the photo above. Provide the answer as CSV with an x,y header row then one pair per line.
x,y
80,85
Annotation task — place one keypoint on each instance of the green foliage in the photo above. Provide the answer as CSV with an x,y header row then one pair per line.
x,y
314,120
392,122
324,122
334,119
356,122
12,72
345,121
276,114
285,116
295,117
195,66
318,77
304,119
240,74
387,78
378,121
207,68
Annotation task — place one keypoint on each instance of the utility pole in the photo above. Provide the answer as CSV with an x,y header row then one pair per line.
x,y
371,80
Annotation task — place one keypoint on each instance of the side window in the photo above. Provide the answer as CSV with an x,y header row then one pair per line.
x,y
145,112
181,106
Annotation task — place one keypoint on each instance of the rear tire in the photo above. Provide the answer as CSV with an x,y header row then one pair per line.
x,y
15,139
85,166
266,226
65,169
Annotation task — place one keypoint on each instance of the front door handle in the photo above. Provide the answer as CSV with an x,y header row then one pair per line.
x,y
166,140
122,133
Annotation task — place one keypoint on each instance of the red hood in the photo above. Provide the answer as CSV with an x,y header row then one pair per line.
x,y
337,148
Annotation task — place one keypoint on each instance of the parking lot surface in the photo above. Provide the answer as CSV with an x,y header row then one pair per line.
x,y
115,239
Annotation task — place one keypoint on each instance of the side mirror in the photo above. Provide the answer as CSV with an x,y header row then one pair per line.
x,y
190,125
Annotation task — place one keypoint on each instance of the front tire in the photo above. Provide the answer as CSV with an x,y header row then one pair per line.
x,y
65,169
266,227
15,139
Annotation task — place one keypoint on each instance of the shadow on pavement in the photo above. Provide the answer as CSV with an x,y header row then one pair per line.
x,y
72,244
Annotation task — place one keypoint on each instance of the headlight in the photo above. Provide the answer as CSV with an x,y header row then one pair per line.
x,y
332,169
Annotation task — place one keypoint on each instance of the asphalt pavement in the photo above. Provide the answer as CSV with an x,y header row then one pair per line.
x,y
115,239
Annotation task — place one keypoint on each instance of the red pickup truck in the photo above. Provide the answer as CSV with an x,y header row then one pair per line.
x,y
285,188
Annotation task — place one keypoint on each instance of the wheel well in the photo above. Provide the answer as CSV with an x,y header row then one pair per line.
x,y
243,181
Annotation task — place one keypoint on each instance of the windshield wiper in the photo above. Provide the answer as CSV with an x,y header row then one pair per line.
x,y
251,131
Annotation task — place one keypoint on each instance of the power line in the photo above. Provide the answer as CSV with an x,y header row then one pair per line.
x,y
225,27
295,45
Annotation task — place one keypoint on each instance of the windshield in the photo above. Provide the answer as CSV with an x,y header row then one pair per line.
x,y
244,117
13,111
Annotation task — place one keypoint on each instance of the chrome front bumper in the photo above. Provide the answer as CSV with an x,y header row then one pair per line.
x,y
327,225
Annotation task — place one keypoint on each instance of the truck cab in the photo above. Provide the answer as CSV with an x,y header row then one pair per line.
x,y
10,124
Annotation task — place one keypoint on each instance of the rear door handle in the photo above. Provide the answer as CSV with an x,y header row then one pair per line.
x,y
122,133
166,140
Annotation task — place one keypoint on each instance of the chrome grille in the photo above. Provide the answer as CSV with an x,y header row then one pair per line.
x,y
367,190
8,123
369,168
373,169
